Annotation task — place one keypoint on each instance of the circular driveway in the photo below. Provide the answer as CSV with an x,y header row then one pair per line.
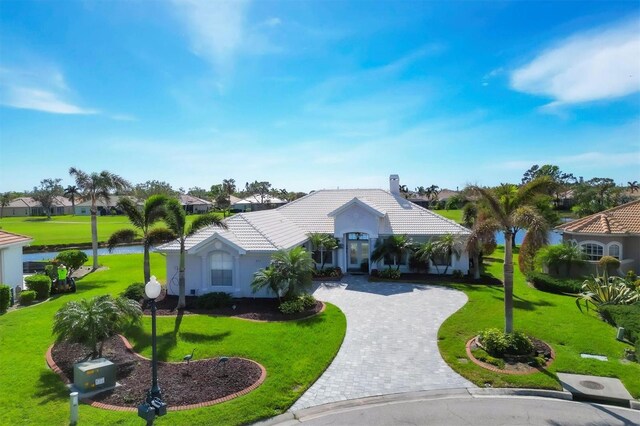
x,y
391,343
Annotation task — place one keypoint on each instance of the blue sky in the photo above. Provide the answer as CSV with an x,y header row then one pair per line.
x,y
324,94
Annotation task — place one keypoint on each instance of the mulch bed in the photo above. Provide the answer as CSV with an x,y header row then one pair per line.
x,y
437,278
515,365
258,309
181,383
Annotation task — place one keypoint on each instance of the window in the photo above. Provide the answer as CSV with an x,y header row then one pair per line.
x,y
614,250
593,251
357,236
328,257
221,269
402,260
441,260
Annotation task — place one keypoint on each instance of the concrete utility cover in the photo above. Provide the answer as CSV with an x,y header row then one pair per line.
x,y
594,387
598,357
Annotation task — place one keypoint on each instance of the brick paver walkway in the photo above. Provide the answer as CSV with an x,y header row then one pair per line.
x,y
391,341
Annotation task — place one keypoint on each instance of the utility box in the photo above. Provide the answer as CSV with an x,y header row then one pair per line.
x,y
94,375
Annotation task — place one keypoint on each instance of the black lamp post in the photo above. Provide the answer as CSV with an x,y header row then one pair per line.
x,y
153,405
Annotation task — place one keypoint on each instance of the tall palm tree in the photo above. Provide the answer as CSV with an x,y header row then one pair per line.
x,y
97,186
152,212
482,234
447,246
176,220
633,186
228,188
395,246
71,192
425,252
512,209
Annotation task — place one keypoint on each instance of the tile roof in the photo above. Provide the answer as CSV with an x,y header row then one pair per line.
x,y
187,200
624,219
58,201
288,225
9,238
113,200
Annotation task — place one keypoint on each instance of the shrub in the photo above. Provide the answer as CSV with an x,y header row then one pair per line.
x,y
332,272
457,273
556,256
73,259
27,297
216,299
39,283
627,316
292,306
308,301
498,343
483,356
550,284
51,271
375,273
606,290
631,276
5,298
390,273
134,292
609,263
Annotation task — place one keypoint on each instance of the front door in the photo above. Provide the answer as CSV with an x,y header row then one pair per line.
x,y
358,252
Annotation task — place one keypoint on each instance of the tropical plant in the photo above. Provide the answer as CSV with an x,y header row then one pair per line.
x,y
72,192
498,343
91,321
609,264
510,207
394,246
633,186
5,298
152,212
605,290
288,275
72,259
481,241
176,220
94,187
322,242
5,199
270,278
390,274
447,246
556,256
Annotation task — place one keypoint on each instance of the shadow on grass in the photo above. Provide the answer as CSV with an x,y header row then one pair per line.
x,y
527,305
50,387
311,322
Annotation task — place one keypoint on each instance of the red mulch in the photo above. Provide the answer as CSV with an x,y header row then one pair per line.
x,y
181,384
261,309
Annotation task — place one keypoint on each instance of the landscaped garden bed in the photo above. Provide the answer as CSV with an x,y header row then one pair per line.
x,y
182,384
541,356
419,278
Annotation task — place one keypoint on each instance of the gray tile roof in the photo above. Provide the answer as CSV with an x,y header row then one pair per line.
x,y
288,225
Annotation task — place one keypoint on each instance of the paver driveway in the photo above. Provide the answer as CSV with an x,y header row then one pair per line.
x,y
391,341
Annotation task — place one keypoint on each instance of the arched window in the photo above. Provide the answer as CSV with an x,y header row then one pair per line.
x,y
221,269
615,250
593,251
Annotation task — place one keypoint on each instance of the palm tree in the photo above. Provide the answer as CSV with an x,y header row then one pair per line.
x,y
228,188
96,186
5,199
446,246
176,220
425,252
294,267
511,209
482,234
71,192
633,186
322,242
152,212
395,246
91,321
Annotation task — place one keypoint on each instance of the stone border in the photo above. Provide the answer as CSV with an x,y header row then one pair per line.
x,y
54,367
497,370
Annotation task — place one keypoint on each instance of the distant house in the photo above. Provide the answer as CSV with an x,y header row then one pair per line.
x,y
226,259
11,258
193,204
255,203
27,206
614,232
424,201
104,207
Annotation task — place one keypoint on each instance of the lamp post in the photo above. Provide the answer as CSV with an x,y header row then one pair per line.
x,y
153,405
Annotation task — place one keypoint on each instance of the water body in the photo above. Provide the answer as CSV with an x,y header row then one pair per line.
x,y
33,257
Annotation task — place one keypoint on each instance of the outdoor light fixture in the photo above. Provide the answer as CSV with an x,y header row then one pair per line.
x,y
153,405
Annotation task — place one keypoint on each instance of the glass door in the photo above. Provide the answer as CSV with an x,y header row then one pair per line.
x,y
358,252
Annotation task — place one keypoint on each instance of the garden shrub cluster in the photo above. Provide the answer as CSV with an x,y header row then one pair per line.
x,y
547,283
457,273
134,292
214,300
483,356
27,297
390,273
298,304
41,284
331,271
73,259
627,316
5,298
498,343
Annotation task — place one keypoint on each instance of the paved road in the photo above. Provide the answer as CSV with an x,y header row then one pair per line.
x,y
391,341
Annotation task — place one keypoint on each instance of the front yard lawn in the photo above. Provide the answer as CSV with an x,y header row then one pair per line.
x,y
294,354
550,317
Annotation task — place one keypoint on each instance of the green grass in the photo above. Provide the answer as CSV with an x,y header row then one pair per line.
x,y
294,354
550,317
455,215
66,229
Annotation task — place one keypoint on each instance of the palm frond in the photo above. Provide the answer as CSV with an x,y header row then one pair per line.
x,y
538,186
205,220
159,235
132,212
493,203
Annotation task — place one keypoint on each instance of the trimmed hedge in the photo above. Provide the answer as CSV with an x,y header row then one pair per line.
x,y
627,316
550,284
216,299
5,298
134,292
39,283
27,297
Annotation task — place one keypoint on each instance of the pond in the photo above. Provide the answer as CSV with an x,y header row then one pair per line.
x,y
33,257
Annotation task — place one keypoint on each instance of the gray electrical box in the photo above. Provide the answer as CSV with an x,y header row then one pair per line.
x,y
93,375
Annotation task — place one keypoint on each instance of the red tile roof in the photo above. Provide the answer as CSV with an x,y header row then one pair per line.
x,y
8,238
624,219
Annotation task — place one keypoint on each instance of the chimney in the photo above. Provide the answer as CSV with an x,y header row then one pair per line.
x,y
394,184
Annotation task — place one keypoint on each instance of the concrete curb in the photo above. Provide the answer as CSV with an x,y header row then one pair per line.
x,y
498,392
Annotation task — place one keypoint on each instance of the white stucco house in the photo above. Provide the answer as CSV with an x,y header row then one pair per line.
x,y
225,260
11,258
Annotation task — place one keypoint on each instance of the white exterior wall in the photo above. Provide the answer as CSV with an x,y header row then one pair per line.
x,y
11,266
356,219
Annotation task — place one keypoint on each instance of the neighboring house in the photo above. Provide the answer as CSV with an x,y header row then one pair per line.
x,y
11,258
225,260
614,232
424,201
27,206
193,204
104,207
255,203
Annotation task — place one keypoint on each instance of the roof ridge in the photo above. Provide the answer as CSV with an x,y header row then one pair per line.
x,y
243,216
431,212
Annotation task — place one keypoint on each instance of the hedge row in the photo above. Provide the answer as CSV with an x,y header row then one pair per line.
x,y
550,284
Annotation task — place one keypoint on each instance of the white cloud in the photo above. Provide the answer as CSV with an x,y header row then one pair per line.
x,y
40,89
589,66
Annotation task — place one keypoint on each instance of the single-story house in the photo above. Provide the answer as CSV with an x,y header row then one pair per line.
x,y
614,232
193,204
104,207
256,202
225,260
27,206
11,258
424,201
